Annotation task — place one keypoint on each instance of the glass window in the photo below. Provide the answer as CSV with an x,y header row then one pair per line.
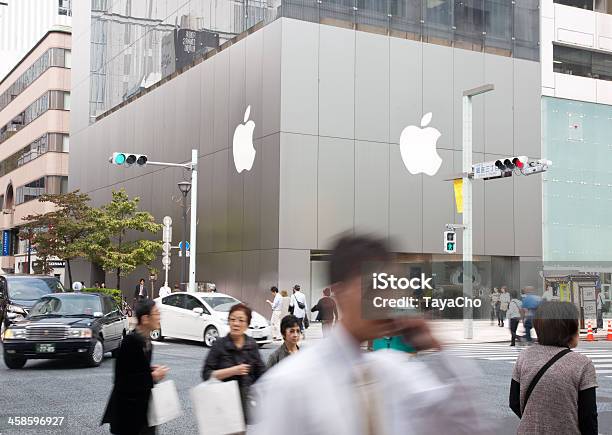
x,y
580,62
221,303
192,302
66,105
65,143
582,4
67,304
174,301
30,191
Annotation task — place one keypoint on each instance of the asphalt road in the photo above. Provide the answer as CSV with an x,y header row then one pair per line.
x,y
79,394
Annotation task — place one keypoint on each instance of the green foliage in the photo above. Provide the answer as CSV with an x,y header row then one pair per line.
x,y
114,243
114,293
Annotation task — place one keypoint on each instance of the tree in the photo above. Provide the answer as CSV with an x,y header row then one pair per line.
x,y
114,243
61,232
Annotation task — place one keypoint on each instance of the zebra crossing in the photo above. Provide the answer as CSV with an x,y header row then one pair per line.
x,y
601,356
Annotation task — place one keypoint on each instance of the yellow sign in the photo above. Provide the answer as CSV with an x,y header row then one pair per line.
x,y
458,184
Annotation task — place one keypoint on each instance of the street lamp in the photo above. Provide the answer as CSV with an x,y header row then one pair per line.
x,y
184,187
468,314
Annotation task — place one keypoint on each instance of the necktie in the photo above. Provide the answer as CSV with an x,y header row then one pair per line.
x,y
369,399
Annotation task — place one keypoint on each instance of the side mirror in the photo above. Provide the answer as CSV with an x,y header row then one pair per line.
x,y
198,311
98,314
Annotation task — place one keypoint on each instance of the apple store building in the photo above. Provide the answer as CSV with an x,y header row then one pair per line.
x,y
312,119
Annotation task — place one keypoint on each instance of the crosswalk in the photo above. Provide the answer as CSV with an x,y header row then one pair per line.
x,y
601,356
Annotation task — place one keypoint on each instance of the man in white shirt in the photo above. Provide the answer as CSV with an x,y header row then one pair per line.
x,y
164,291
276,313
298,302
333,388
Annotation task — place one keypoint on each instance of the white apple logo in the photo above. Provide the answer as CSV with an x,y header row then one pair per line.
x,y
244,151
418,148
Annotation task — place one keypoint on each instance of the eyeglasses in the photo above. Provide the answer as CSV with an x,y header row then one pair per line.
x,y
236,320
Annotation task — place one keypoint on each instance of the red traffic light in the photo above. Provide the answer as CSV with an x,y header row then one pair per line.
x,y
519,162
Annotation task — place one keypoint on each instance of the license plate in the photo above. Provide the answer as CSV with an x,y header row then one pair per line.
x,y
45,348
257,334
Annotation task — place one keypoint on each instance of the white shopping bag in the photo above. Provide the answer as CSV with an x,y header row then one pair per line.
x,y
164,404
218,408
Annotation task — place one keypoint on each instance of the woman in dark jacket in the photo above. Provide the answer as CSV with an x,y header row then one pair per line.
x,y
236,357
328,313
134,376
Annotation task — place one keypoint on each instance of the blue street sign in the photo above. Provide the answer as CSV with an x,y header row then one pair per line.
x,y
181,246
6,237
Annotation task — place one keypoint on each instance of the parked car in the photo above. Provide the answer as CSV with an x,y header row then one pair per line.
x,y
203,317
66,325
18,293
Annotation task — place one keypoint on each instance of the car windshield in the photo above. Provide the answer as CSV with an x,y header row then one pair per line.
x,y
66,305
221,303
32,288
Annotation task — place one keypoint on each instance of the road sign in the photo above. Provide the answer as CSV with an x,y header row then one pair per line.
x,y
166,261
167,221
186,253
180,245
166,247
167,234
486,170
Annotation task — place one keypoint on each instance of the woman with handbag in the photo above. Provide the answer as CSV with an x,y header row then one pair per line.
x,y
236,357
504,302
549,377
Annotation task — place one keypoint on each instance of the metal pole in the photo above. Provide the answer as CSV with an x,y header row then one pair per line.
x,y
194,210
468,326
184,242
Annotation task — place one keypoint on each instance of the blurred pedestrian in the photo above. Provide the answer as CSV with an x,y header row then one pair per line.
x,y
327,311
128,405
504,302
494,300
284,303
103,285
236,357
275,304
297,305
177,287
332,388
514,315
164,291
553,389
530,304
96,284
599,306
290,329
140,291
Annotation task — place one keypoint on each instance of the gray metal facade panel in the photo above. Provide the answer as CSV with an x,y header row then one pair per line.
x,y
499,215
528,216
189,111
499,116
478,208
298,195
254,80
252,180
221,101
206,72
270,191
300,81
271,76
336,189
468,74
406,203
438,93
372,188
527,111
336,82
235,211
371,87
220,199
237,87
438,203
206,228
406,79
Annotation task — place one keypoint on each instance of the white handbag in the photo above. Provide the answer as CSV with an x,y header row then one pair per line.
x,y
164,404
218,408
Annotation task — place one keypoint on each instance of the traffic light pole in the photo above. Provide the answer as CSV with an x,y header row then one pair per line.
x,y
468,313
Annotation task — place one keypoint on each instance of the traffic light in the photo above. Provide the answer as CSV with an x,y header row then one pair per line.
x,y
511,163
128,159
450,242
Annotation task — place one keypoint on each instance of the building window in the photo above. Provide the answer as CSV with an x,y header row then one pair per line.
x,y
65,143
583,63
65,7
30,191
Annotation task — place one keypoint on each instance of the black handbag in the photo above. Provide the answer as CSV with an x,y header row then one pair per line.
x,y
306,322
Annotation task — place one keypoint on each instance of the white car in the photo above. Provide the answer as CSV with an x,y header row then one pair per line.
x,y
203,317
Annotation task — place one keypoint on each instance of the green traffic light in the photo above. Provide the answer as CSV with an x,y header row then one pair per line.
x,y
450,246
119,159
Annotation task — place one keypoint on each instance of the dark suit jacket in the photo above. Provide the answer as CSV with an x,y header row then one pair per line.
x,y
137,291
129,401
326,308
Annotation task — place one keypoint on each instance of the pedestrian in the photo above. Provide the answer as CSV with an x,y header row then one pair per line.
x,y
140,291
514,315
96,284
504,301
494,299
284,303
599,306
548,294
297,305
103,285
553,389
327,311
236,357
177,287
128,405
276,313
333,388
290,329
530,303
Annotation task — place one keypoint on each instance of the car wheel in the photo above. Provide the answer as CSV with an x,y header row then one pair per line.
x,y
95,355
210,336
156,335
13,361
